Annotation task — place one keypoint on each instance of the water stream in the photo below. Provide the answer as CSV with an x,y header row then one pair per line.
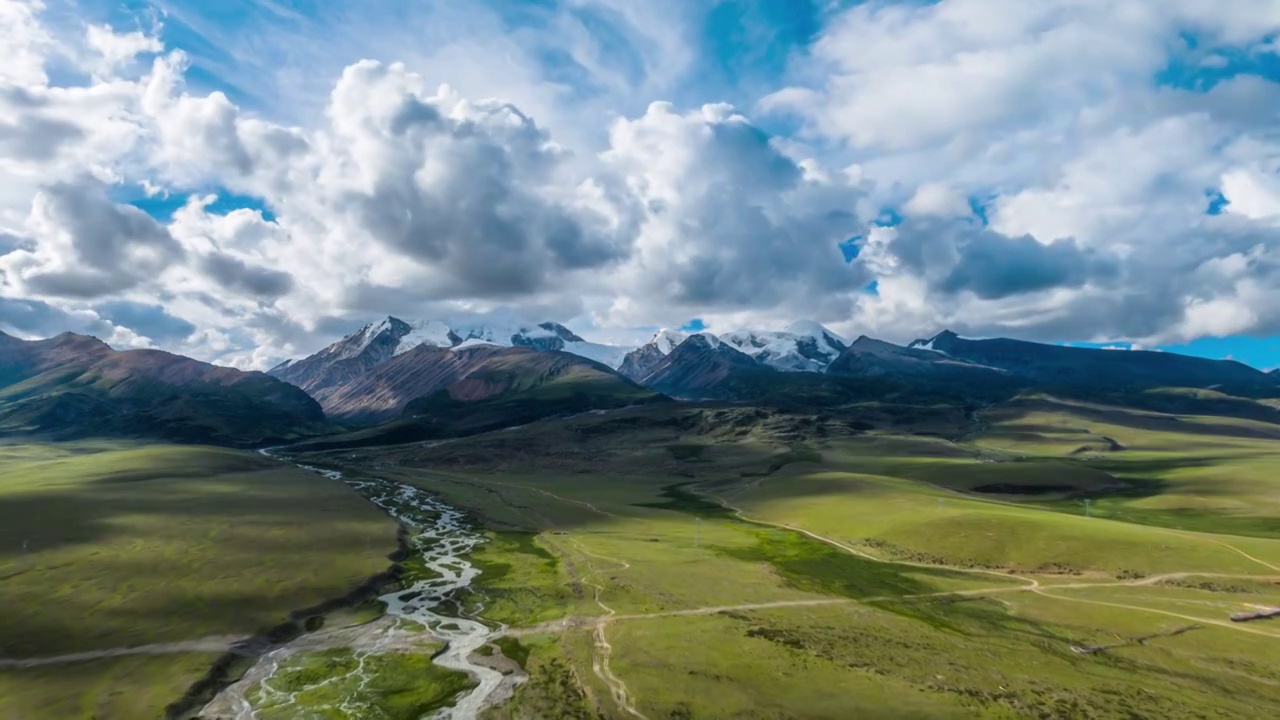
x,y
441,537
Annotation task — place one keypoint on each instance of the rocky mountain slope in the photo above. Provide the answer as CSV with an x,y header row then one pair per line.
x,y
74,386
478,389
703,367
868,357
345,361
468,372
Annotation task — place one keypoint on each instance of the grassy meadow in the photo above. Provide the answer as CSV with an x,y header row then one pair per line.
x,y
692,562
721,563
340,684
106,546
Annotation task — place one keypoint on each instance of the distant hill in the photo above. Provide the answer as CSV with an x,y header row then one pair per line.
x,y
922,371
703,367
74,386
1054,367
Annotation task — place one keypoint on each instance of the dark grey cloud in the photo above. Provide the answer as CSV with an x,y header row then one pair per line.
x,y
113,247
956,256
36,138
751,258
994,266
151,321
40,319
235,274
1128,296
81,284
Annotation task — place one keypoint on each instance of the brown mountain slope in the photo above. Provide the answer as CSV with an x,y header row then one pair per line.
x,y
77,386
382,392
468,375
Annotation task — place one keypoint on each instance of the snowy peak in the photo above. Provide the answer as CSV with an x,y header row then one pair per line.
x,y
405,336
546,336
379,342
561,332
641,362
384,331
667,340
703,340
432,333
817,331
802,347
938,343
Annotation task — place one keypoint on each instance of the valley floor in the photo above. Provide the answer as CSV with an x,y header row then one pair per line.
x,y
683,562
776,573
126,571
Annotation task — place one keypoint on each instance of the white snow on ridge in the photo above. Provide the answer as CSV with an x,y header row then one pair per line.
x,y
366,335
782,348
474,342
667,340
500,332
611,355
804,346
432,332
809,328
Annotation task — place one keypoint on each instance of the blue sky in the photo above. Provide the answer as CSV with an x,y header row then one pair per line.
x,y
1053,171
1262,353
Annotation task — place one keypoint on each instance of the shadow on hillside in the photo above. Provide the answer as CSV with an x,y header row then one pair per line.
x,y
127,560
1016,410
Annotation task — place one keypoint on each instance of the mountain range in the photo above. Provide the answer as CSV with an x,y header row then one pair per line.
x,y
1056,366
372,374
433,378
375,373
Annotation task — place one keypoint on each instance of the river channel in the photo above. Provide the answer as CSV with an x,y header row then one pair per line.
x,y
441,538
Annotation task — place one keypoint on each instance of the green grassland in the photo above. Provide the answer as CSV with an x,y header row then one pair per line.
x,y
127,687
342,685
677,561
753,564
107,546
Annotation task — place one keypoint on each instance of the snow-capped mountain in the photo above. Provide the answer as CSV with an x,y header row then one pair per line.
x,y
641,362
801,347
703,367
376,343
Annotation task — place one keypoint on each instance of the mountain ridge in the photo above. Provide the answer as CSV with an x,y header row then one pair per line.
x,y
1049,365
73,386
